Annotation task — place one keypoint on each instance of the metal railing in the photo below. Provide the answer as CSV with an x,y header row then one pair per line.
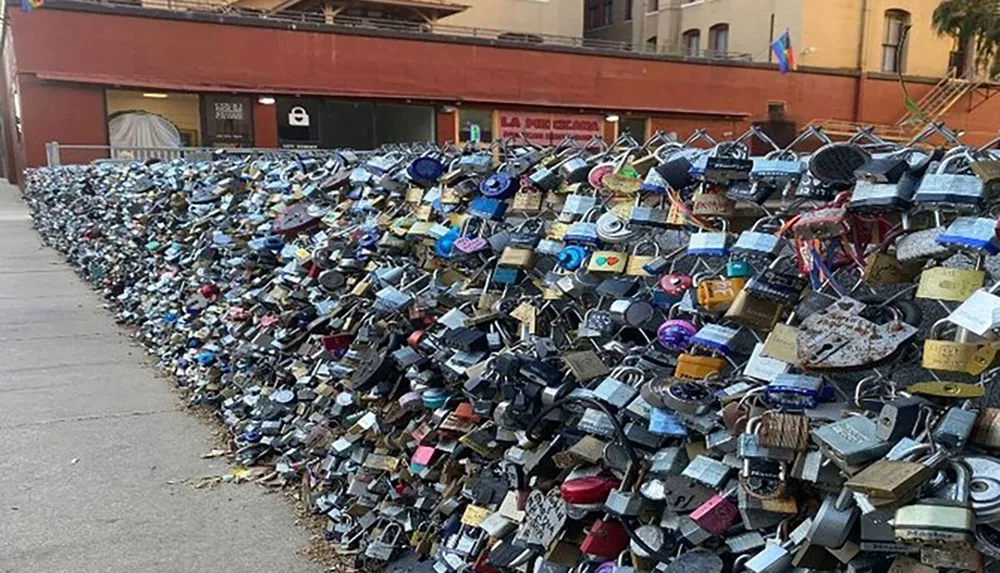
x,y
318,21
62,154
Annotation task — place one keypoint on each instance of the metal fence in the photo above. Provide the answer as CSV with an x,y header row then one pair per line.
x,y
62,154
318,20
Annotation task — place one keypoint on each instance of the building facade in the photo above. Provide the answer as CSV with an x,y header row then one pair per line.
x,y
273,83
866,35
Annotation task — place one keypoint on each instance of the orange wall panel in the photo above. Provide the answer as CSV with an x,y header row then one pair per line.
x,y
265,126
65,113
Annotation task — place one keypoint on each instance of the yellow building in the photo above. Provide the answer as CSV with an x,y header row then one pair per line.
x,y
842,34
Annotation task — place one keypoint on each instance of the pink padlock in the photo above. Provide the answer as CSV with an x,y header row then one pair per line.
x,y
716,515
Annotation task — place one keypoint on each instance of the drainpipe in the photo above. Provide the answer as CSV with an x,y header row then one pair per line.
x,y
859,96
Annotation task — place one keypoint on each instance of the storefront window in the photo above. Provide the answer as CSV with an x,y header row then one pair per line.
x,y
481,119
153,119
636,126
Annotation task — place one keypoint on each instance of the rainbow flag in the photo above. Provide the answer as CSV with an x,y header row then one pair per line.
x,y
782,48
29,5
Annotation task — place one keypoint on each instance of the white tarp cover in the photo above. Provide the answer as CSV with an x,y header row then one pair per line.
x,y
142,129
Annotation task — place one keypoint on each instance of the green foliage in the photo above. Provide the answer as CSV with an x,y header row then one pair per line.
x,y
976,21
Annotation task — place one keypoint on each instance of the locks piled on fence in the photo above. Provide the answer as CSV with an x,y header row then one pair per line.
x,y
660,356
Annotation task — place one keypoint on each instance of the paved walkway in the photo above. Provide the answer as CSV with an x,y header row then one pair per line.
x,y
97,456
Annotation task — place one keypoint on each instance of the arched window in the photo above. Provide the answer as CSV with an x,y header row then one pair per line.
x,y
692,42
894,41
718,39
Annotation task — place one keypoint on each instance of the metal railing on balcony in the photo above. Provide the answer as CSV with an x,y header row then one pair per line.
x,y
317,20
68,154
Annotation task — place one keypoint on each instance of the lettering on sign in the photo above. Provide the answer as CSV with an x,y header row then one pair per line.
x,y
549,129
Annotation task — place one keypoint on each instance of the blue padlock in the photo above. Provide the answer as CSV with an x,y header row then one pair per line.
x,y
425,169
499,185
487,208
506,276
571,257
444,246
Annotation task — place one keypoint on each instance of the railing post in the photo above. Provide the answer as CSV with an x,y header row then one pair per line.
x,y
52,153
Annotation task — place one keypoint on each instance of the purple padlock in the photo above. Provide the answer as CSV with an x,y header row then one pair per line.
x,y
471,245
676,334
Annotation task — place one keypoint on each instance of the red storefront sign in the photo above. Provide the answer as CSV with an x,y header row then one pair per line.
x,y
549,128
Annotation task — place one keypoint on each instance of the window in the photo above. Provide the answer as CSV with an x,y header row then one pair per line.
x,y
636,126
651,44
593,14
894,44
692,42
652,6
609,15
718,39
483,118
628,10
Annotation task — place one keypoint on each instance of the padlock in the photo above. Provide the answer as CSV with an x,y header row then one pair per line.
x,y
920,246
717,514
382,548
705,204
715,338
710,243
693,367
823,223
952,356
942,524
577,205
607,262
637,261
986,431
976,233
528,200
752,242
954,428
752,311
895,479
939,186
487,208
517,257
898,418
784,430
583,232
943,283
717,295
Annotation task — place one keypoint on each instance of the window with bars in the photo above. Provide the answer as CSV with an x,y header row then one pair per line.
x,y
894,42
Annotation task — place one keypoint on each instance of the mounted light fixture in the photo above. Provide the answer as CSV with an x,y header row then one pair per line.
x,y
612,117
155,95
265,100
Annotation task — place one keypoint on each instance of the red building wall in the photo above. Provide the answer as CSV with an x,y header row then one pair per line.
x,y
69,114
65,59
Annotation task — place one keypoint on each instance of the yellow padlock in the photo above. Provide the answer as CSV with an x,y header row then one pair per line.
x,y
955,356
953,285
636,260
607,262
717,295
955,390
694,367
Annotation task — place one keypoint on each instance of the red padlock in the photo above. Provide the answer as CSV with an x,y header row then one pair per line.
x,y
676,284
605,539
716,515
209,291
587,490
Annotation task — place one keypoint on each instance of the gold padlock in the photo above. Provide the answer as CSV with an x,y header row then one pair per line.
x,y
528,200
694,367
516,257
717,295
884,269
607,262
955,285
754,312
636,260
955,356
986,432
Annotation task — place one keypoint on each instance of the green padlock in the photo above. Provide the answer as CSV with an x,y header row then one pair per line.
x,y
738,269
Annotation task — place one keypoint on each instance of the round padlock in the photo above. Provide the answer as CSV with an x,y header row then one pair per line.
x,y
499,185
331,280
676,334
676,284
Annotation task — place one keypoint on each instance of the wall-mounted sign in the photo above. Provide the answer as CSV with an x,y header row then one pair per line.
x,y
549,128
228,120
299,122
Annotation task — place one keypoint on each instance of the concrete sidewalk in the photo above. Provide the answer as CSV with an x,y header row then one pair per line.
x,y
73,387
